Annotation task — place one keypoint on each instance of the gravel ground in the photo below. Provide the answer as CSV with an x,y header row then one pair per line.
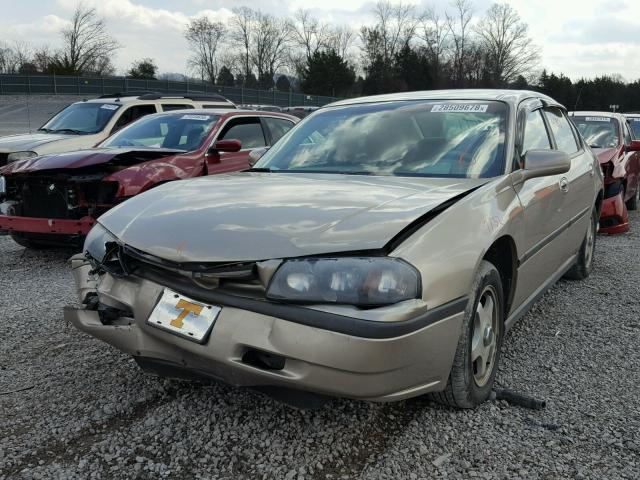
x,y
24,113
72,407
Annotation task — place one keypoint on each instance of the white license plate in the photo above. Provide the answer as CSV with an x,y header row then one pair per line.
x,y
183,316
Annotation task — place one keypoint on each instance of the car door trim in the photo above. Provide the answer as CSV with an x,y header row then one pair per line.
x,y
551,237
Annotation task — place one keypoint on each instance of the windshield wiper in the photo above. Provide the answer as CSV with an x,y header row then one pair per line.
x,y
260,169
42,129
70,130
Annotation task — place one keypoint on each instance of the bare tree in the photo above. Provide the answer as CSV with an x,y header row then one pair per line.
x,y
87,45
435,33
505,40
269,49
242,24
308,33
341,39
204,37
397,24
459,27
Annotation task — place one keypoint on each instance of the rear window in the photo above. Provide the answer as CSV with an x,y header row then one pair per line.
x,y
634,124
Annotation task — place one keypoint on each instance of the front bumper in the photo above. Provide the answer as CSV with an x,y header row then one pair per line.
x,y
385,366
54,226
614,217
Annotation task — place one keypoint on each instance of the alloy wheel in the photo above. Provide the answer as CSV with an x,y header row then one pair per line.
x,y
484,338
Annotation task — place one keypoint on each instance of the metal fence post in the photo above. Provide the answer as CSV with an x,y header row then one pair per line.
x,y
78,83
102,83
241,93
29,84
55,85
187,82
1,91
124,84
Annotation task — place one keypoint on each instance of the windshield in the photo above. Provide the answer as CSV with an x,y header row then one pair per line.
x,y
422,138
598,132
634,124
176,132
81,118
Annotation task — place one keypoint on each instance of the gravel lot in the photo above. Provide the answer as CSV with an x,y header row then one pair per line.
x,y
71,407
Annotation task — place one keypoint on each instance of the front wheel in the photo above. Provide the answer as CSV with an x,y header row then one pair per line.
x,y
478,353
584,263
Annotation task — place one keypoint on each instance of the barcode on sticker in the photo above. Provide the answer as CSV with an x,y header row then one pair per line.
x,y
203,118
459,107
110,107
598,119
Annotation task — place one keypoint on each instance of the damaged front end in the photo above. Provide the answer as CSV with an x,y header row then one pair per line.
x,y
55,200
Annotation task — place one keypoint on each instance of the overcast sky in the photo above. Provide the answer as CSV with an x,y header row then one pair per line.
x,y
578,37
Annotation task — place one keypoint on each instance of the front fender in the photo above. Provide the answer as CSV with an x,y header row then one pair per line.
x,y
448,249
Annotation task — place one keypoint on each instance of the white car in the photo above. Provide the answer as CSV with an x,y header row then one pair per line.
x,y
84,124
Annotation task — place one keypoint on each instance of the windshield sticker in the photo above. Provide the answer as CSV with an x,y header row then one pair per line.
x,y
203,118
597,119
460,107
110,107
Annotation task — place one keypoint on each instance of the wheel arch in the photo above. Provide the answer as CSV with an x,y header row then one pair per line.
x,y
504,256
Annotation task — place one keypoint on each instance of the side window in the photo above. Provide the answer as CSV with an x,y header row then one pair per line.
x,y
175,106
278,127
562,131
132,114
535,133
247,130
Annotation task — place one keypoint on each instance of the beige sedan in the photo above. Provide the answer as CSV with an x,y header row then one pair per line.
x,y
378,251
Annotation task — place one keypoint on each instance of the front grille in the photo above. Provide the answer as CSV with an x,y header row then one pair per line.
x,y
44,199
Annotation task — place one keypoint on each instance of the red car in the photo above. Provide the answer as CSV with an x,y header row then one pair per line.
x,y
609,136
56,199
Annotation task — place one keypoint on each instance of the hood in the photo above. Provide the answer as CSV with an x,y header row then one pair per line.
x,y
30,141
87,158
605,154
258,216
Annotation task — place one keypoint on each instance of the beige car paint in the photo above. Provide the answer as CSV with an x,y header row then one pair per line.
x,y
544,225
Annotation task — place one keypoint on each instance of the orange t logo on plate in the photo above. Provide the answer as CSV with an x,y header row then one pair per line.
x,y
187,308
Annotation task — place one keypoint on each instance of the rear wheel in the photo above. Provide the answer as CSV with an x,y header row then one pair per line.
x,y
478,353
584,263
632,203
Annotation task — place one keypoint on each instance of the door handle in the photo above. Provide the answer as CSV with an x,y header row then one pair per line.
x,y
564,184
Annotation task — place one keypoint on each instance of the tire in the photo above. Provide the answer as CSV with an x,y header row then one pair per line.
x,y
25,242
468,386
632,203
584,263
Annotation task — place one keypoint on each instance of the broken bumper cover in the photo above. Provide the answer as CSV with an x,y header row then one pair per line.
x,y
403,359
46,225
614,217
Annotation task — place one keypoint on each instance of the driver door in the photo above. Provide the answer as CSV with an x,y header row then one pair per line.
x,y
543,201
250,133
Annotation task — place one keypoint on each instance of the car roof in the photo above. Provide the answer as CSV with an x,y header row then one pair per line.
x,y
227,112
510,96
130,98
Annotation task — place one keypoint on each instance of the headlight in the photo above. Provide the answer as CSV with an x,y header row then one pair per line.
x,y
369,281
96,242
15,156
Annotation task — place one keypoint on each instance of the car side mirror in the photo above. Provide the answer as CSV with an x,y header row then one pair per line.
x,y
634,146
543,163
256,154
225,146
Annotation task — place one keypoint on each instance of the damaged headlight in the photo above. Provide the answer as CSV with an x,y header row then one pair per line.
x,y
15,156
364,281
97,241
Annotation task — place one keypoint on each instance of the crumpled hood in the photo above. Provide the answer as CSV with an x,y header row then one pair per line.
x,y
84,158
605,154
29,141
258,216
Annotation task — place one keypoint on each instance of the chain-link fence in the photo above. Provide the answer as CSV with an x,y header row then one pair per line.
x,y
94,86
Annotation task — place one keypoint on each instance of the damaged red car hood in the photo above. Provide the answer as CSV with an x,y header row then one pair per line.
x,y
87,158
